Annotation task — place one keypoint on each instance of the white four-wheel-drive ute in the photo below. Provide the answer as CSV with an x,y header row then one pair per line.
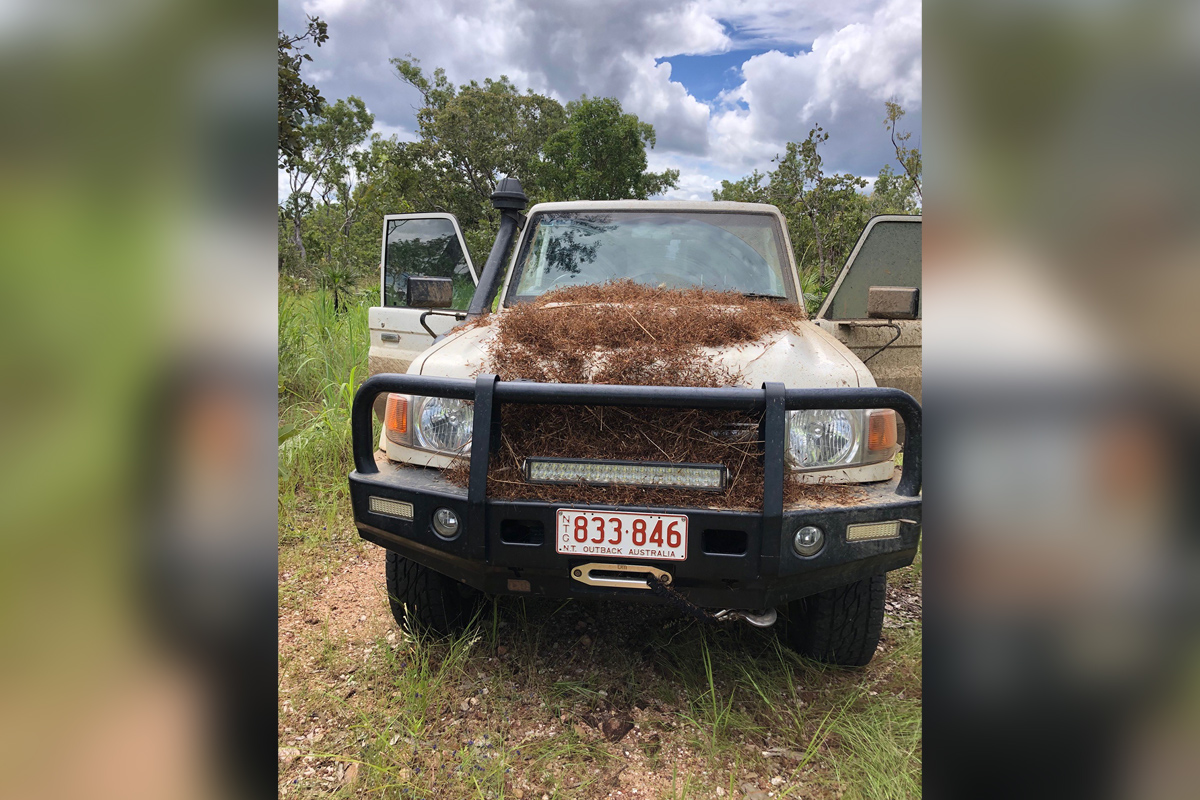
x,y
638,409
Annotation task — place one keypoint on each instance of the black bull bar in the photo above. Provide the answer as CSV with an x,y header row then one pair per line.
x,y
472,556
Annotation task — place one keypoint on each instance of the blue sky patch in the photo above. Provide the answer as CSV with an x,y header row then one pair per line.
x,y
705,77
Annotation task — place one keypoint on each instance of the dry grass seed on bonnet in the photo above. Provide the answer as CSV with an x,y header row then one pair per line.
x,y
628,334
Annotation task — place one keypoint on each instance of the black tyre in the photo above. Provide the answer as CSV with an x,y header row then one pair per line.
x,y
427,598
839,626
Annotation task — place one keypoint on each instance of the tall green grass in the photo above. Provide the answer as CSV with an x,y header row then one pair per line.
x,y
322,360
883,741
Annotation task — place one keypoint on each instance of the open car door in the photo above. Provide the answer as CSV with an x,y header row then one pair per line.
x,y
426,280
874,307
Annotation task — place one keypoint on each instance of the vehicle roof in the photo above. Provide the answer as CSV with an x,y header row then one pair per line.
x,y
659,205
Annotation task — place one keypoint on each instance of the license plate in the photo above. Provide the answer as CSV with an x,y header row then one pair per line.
x,y
616,534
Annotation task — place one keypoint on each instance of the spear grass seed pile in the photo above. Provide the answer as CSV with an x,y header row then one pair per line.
x,y
628,334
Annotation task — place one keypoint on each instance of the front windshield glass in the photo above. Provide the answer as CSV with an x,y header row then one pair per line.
x,y
719,251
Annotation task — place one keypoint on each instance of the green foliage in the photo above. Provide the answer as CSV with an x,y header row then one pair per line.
x,y
894,194
749,189
600,155
329,165
827,212
322,360
474,135
297,98
909,157
338,280
830,207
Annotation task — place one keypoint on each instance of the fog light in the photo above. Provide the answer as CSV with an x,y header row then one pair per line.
x,y
445,523
866,531
808,540
391,508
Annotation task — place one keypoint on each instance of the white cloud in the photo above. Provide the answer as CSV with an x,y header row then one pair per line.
x,y
835,63
693,185
564,49
697,178
786,24
841,84
399,131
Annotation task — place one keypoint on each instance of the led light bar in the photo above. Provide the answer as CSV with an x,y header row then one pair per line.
x,y
708,477
390,508
866,531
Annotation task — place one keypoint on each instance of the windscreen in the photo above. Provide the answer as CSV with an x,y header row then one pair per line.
x,y
719,251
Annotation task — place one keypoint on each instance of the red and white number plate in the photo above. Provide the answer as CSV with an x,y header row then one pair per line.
x,y
619,535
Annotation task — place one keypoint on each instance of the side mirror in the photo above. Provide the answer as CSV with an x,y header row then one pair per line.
x,y
892,302
426,292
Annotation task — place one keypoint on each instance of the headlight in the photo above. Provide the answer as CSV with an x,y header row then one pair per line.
x,y
443,424
824,439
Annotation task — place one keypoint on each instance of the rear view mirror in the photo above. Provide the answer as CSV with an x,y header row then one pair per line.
x,y
426,292
892,302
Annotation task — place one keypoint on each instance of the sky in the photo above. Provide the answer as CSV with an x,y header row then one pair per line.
x,y
726,83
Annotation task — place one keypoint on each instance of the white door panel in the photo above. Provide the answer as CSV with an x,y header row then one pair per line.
x,y
397,337
897,365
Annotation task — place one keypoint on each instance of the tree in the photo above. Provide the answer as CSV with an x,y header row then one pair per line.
x,y
326,163
797,180
385,182
826,213
749,189
893,193
474,135
345,183
297,99
909,157
600,154
832,206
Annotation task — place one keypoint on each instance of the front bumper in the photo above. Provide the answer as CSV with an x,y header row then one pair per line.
x,y
735,559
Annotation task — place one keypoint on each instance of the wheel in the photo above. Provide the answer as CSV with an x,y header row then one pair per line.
x,y
427,598
839,626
